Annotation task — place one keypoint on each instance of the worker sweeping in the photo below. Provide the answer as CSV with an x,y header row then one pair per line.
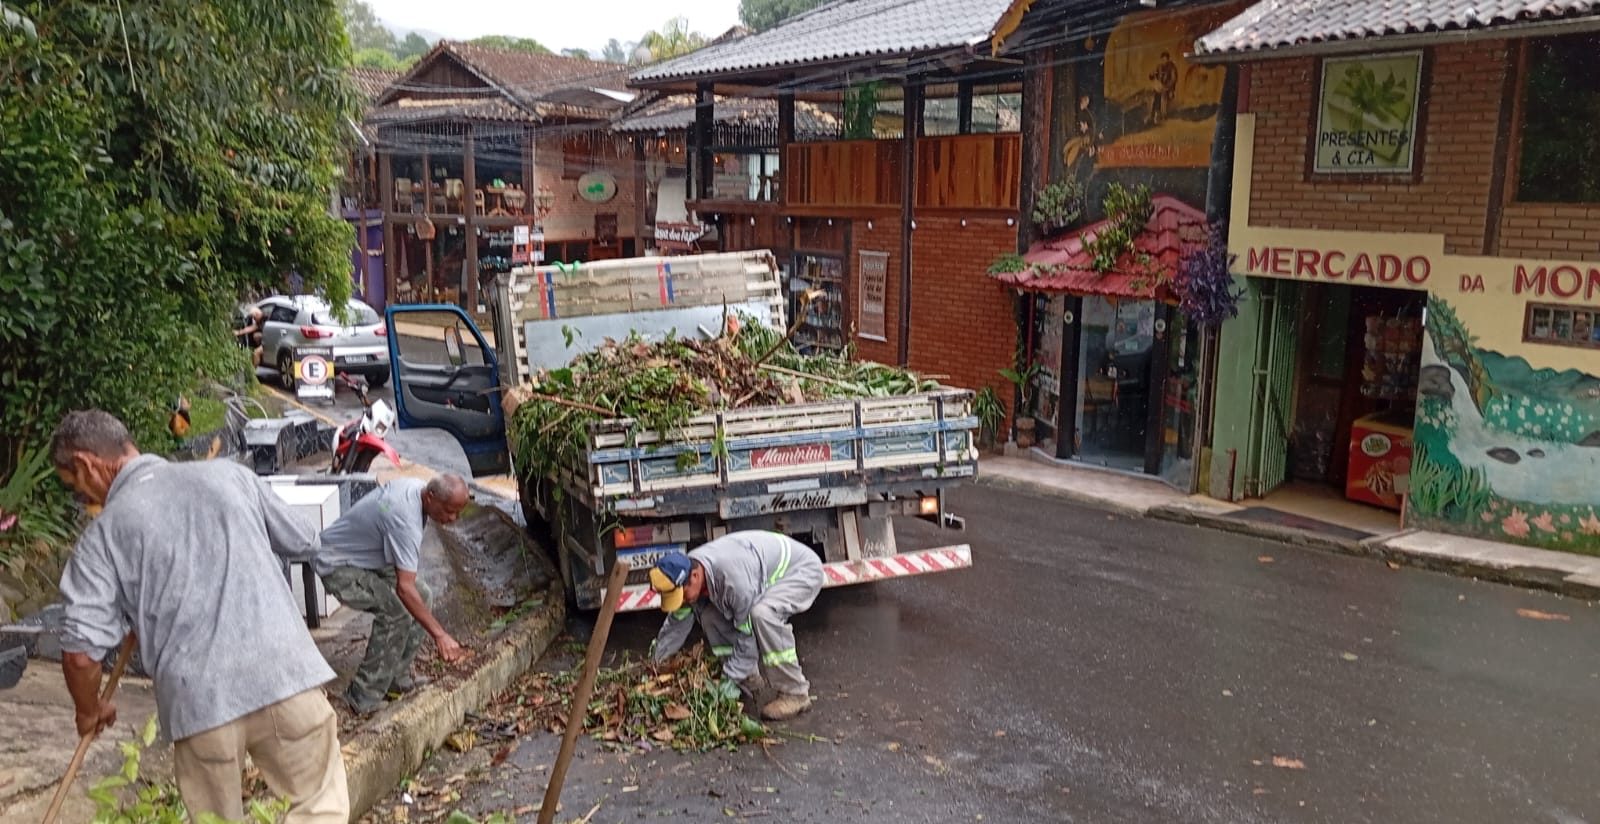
x,y
743,588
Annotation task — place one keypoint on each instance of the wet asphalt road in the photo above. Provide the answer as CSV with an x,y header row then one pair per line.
x,y
1095,668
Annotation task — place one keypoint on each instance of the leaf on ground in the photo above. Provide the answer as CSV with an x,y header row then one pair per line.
x,y
462,740
1543,616
677,712
663,735
1264,559
1288,763
1393,565
892,746
999,733
1350,656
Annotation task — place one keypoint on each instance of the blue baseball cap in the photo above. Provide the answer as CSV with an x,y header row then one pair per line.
x,y
667,578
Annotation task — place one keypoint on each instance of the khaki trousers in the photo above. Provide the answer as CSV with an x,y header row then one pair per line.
x,y
295,744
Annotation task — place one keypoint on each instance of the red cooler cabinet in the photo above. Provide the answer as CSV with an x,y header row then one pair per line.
x,y
1380,460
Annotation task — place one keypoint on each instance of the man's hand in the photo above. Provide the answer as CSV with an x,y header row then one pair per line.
x,y
97,720
449,650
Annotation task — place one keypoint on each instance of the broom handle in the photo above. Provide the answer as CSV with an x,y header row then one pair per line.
x,y
88,738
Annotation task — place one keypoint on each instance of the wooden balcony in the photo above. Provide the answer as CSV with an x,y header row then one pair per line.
x,y
967,172
843,174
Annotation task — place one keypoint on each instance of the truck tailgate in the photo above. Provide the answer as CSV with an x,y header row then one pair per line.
x,y
843,573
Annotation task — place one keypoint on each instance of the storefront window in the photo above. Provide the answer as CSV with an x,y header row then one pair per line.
x,y
498,164
1114,361
1179,401
1559,140
1047,336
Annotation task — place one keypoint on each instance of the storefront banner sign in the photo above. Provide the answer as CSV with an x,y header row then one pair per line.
x,y
499,239
679,237
1367,114
874,268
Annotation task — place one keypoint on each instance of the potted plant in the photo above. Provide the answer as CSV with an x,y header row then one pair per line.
x,y
1023,422
1058,206
991,413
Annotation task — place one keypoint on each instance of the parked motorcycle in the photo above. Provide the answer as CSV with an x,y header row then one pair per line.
x,y
356,443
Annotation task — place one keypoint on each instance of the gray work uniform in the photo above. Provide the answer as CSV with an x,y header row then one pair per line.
x,y
190,554
755,581
360,554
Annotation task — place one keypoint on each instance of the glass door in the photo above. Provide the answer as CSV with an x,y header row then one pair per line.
x,y
1114,366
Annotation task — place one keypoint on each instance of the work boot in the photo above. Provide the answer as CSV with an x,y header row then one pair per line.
x,y
357,706
785,707
406,684
752,684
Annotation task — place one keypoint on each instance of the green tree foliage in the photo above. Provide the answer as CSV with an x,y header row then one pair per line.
x,y
147,181
581,54
672,39
501,41
764,14
616,51
378,59
413,46
365,29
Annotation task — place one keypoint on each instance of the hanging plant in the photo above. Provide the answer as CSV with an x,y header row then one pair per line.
x,y
861,110
1007,264
1127,213
1204,281
1058,206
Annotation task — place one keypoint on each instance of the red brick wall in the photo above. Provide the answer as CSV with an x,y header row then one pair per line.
x,y
963,323
883,236
1452,197
1545,231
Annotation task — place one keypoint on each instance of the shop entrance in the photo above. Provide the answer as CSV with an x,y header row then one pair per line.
x,y
1333,398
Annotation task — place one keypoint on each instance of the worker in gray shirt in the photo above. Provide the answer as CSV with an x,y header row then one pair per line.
x,y
742,588
369,561
188,557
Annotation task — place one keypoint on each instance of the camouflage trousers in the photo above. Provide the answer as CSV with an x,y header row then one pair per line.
x,y
395,637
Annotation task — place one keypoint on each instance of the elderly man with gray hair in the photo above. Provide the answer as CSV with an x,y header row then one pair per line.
x,y
187,556
369,561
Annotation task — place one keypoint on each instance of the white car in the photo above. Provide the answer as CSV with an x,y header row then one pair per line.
x,y
360,342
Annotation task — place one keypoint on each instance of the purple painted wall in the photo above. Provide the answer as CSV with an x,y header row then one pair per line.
x,y
368,280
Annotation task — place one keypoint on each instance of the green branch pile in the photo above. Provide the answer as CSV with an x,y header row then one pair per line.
x,y
637,706
660,386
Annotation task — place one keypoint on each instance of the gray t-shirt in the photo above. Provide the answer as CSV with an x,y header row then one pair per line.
x,y
382,530
189,554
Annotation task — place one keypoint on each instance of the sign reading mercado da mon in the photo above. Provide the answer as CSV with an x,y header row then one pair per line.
x,y
1367,114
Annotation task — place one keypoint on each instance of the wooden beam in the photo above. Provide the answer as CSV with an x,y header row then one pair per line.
x,y
469,184
641,198
705,120
912,128
386,203
964,107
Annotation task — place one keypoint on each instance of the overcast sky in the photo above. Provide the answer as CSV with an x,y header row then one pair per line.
x,y
558,24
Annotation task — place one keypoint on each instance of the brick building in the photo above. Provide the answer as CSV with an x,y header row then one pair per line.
x,y
1416,225
898,193
1121,139
473,142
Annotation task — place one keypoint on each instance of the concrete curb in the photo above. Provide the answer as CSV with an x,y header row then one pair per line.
x,y
377,757
1379,547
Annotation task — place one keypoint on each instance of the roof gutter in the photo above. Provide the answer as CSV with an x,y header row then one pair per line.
x,y
1537,28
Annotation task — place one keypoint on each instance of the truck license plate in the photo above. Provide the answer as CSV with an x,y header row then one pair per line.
x,y
646,556
793,501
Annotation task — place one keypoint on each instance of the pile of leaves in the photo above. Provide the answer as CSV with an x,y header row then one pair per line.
x,y
660,386
636,706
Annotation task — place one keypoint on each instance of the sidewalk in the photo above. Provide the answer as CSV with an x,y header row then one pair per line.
x,y
1574,575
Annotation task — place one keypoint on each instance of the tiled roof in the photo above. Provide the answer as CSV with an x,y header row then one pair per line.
x,y
1278,24
838,30
521,86
676,113
372,83
473,108
1061,264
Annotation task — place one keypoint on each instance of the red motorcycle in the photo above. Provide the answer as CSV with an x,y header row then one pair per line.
x,y
356,443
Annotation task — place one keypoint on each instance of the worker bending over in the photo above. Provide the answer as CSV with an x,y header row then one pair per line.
x,y
743,588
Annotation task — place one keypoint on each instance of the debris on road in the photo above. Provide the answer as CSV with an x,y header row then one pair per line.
x,y
636,706
1543,616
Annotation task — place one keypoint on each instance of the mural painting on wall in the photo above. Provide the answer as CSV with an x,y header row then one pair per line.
x,y
1504,449
1142,104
